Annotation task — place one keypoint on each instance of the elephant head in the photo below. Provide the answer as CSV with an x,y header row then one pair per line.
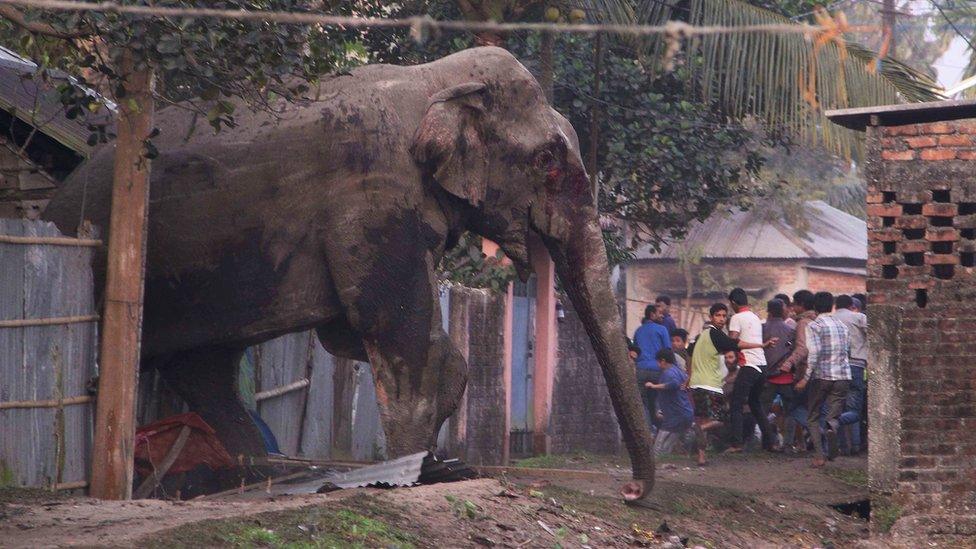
x,y
490,141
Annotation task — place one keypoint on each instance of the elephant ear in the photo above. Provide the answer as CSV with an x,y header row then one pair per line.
x,y
449,143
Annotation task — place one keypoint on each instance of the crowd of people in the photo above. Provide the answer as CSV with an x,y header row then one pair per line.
x,y
797,379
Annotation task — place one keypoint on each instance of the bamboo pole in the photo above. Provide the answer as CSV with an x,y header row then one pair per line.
x,y
115,423
52,403
58,321
50,240
278,391
70,485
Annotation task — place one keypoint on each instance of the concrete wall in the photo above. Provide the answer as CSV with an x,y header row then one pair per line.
x,y
922,246
487,413
582,417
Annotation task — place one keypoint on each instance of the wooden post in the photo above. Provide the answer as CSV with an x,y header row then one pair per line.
x,y
115,419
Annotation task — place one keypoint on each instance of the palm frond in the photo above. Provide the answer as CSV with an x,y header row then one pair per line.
x,y
911,83
767,75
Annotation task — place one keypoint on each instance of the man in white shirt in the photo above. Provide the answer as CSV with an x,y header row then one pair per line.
x,y
750,380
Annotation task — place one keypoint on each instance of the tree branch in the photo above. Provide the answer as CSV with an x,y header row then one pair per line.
x,y
12,14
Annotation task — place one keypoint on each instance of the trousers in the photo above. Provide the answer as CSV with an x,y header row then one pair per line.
x,y
788,395
825,402
748,388
855,403
648,396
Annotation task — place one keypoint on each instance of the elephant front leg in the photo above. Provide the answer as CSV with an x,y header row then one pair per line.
x,y
413,402
419,374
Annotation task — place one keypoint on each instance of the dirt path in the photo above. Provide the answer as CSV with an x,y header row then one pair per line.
x,y
89,522
753,501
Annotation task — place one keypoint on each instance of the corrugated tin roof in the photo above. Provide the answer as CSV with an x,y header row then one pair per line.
x,y
37,103
830,234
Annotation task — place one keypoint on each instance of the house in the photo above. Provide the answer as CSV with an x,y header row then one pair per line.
x,y
39,145
824,249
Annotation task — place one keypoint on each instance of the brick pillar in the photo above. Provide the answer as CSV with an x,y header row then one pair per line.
x,y
921,289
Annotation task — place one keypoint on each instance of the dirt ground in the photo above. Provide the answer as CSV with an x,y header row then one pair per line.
x,y
737,501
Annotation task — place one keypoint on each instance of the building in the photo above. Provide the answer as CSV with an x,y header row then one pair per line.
x,y
765,255
921,175
39,145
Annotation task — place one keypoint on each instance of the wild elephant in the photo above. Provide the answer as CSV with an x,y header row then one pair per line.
x,y
333,215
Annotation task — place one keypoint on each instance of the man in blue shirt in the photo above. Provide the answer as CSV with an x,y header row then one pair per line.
x,y
651,337
675,403
663,303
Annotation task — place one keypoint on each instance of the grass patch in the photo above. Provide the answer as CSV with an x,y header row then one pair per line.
x,y
853,477
579,460
884,513
356,522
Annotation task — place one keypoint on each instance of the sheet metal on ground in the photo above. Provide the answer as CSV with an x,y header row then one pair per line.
x,y
419,468
404,471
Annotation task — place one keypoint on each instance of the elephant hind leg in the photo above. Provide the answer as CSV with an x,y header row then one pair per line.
x,y
207,380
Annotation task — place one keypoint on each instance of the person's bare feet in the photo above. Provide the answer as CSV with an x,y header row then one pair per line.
x,y
818,462
733,450
701,458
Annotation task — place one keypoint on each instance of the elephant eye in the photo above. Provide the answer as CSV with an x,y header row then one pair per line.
x,y
544,160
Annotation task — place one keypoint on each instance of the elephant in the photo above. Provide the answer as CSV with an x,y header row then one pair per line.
x,y
333,213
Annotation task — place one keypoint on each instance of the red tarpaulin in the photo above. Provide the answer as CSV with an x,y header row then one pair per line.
x,y
154,441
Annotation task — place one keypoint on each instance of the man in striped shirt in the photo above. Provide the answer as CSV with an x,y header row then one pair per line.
x,y
828,374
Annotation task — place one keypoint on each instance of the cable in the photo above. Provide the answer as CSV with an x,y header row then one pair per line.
x,y
419,25
953,25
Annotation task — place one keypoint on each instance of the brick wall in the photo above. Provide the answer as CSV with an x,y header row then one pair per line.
x,y
582,417
922,245
835,282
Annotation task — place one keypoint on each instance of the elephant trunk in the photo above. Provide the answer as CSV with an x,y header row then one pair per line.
x,y
581,262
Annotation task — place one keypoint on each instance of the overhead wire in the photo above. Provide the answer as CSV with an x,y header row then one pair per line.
x,y
952,24
420,25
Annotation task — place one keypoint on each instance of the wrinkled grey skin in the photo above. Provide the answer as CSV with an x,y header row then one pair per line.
x,y
334,218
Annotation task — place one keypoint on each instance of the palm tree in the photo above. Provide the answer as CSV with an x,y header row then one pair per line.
x,y
769,75
765,75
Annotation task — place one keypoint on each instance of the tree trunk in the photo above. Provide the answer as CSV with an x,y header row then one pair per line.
x,y
595,120
112,455
546,68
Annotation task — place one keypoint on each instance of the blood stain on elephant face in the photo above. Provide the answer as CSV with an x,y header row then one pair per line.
x,y
394,301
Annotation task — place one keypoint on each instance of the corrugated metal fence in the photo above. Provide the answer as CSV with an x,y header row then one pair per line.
x,y
318,406
47,355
